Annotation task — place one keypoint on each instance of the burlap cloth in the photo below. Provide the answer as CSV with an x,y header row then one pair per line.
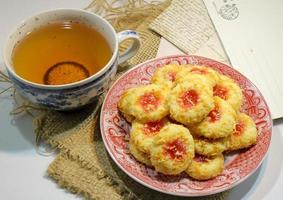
x,y
82,164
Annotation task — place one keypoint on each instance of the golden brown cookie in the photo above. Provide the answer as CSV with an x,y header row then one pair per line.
x,y
139,155
244,134
229,90
142,134
219,122
172,150
204,168
190,101
145,103
208,73
209,147
167,75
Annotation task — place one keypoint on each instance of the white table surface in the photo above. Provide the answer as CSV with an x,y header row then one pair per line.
x,y
23,171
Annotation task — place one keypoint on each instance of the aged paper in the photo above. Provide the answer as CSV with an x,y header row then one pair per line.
x,y
186,24
252,35
211,49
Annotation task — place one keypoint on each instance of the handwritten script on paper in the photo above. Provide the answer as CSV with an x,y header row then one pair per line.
x,y
186,24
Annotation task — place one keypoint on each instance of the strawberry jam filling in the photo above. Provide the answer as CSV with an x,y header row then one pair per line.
x,y
220,91
151,128
189,99
175,149
214,115
172,76
149,101
239,128
198,71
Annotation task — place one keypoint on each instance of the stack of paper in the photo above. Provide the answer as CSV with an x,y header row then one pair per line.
x,y
251,32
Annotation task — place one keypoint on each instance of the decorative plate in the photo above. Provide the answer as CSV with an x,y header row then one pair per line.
x,y
239,166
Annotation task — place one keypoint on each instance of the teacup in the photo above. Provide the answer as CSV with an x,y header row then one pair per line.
x,y
73,95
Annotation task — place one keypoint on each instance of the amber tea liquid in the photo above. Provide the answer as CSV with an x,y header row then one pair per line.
x,y
60,53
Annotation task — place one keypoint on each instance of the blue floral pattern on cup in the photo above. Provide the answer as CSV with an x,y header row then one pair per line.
x,y
69,98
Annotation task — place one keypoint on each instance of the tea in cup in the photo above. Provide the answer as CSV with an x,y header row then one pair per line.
x,y
65,58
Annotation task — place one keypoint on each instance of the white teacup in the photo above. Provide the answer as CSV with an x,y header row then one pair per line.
x,y
77,94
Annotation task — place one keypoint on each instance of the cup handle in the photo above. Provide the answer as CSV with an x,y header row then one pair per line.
x,y
132,50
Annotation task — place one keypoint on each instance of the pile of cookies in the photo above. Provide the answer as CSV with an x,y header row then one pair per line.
x,y
185,119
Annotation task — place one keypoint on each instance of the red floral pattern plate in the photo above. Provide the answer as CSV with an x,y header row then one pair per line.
x,y
115,131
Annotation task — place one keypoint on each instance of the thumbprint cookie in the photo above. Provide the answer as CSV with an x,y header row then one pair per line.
x,y
218,123
172,150
244,134
228,90
145,103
